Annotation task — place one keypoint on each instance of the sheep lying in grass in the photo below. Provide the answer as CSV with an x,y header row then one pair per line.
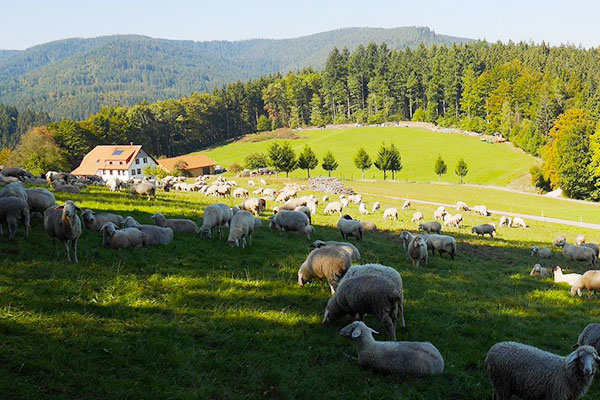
x,y
376,207
12,211
484,229
577,253
350,228
14,189
62,223
116,238
417,216
241,227
66,188
559,277
94,222
541,252
40,199
334,206
589,336
291,221
532,373
130,222
394,358
362,295
178,225
157,235
328,262
540,271
417,251
347,247
590,280
431,227
390,213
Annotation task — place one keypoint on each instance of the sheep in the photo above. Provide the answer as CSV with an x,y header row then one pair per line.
x,y
144,189
257,191
291,204
406,238
257,223
269,193
440,213
12,210
94,222
66,188
417,216
350,228
376,207
348,247
113,183
481,210
579,240
263,182
334,206
178,225
292,221
62,223
241,227
559,277
589,336
431,227
306,211
362,208
355,198
461,206
254,205
394,358
590,280
117,238
129,222
369,226
453,220
390,213
505,221
406,205
344,202
369,294
417,251
518,222
157,235
215,216
531,373
484,229
14,189
540,271
592,246
40,199
16,173
541,252
325,199
251,182
238,193
328,262
441,243
577,253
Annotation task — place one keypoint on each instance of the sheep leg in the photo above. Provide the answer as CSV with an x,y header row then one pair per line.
x,y
66,244
389,326
401,312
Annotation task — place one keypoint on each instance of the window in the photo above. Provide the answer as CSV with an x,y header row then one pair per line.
x,y
137,160
117,152
133,172
139,171
145,160
110,162
111,172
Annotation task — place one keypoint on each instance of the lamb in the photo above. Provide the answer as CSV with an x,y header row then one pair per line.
x,y
327,262
589,336
395,358
113,183
417,216
306,211
431,227
40,199
390,213
62,223
369,226
94,222
241,227
376,207
406,205
505,221
440,213
441,243
541,252
292,221
66,188
532,373
350,228
417,251
484,229
254,205
215,216
13,210
238,193
461,206
481,210
559,277
577,253
540,271
362,208
362,295
117,238
178,225
590,280
518,222
144,189
157,235
334,206
453,220
14,189
348,247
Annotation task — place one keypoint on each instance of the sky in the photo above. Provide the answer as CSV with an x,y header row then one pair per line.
x,y
26,23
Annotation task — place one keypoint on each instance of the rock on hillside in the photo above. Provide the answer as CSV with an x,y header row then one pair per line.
x,y
328,185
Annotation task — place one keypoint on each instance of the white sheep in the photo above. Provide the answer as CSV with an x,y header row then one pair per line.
x,y
518,222
257,191
348,247
113,183
344,202
417,216
117,238
559,277
350,228
440,213
362,208
579,240
590,280
239,193
390,213
355,198
417,251
251,182
541,252
394,358
93,221
178,225
215,216
254,205
241,227
540,271
334,206
376,207
263,182
291,221
157,235
453,220
441,243
306,211
325,199
13,210
505,221
328,262
577,253
406,205
62,223
481,210
461,206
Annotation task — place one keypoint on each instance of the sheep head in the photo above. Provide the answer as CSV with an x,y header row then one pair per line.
x,y
355,330
583,361
109,229
69,210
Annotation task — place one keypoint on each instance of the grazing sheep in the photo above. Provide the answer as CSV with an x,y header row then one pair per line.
x,y
306,211
113,183
541,252
238,193
215,216
143,189
590,280
62,223
327,262
518,222
240,228
130,222
269,193
344,202
355,198
589,336
117,238
453,220
94,222
14,189
440,213
157,235
532,373
417,216
441,243
368,294
325,199
369,226
592,246
505,221
350,228
254,205
40,199
481,210
178,225
251,182
390,213
263,182
484,229
431,227
13,210
362,208
292,221
395,358
461,206
376,207
579,240
66,188
348,247
559,277
334,206
292,204
417,251
406,205
578,253
540,271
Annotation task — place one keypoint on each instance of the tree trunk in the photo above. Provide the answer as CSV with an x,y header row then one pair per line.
x,y
287,174
308,173
329,172
363,174
384,174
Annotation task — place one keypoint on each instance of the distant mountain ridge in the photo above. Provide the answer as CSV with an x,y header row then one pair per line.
x,y
74,77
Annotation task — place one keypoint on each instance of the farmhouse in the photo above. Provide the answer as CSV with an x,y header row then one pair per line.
x,y
195,164
124,161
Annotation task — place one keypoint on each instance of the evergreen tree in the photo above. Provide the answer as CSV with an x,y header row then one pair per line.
x,y
329,163
307,160
440,167
395,161
382,162
263,123
256,161
461,170
282,157
362,161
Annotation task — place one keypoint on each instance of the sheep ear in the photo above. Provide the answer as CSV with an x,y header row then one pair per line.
x,y
374,331
326,317
356,333
572,357
77,209
152,217
597,359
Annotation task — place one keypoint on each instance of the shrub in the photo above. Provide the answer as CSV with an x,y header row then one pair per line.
x,y
235,168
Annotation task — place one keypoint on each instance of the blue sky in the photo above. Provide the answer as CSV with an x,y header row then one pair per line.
x,y
26,23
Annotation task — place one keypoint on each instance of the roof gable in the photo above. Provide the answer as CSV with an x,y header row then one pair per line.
x,y
191,161
107,157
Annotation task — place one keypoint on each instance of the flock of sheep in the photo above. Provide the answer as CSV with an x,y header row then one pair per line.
x,y
357,290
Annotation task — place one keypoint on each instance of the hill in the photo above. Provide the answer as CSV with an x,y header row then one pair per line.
x,y
489,164
75,77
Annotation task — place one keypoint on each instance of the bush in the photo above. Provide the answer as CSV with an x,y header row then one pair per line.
x,y
235,168
419,115
155,171
538,180
263,124
256,161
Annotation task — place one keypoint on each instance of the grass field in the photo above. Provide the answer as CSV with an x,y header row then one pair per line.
x,y
489,164
199,320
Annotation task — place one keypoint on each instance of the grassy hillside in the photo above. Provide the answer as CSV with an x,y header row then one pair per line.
x,y
489,164
197,319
